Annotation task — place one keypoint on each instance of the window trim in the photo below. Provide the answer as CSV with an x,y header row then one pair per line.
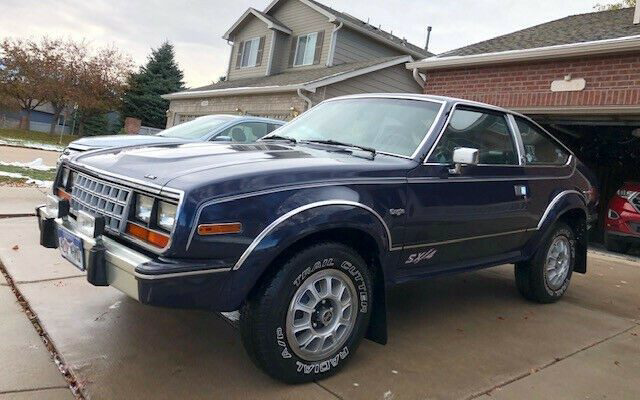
x,y
549,136
512,131
295,53
242,45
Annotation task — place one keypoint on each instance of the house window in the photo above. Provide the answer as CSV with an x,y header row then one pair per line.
x,y
306,49
250,52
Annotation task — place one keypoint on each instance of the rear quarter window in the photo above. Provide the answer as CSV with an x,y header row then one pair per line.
x,y
539,148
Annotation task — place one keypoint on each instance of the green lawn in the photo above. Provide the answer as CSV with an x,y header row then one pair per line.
x,y
31,173
39,137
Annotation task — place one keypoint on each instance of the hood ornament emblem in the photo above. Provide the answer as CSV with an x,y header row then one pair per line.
x,y
149,176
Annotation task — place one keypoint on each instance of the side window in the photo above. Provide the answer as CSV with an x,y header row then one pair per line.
x,y
486,131
539,149
246,132
272,127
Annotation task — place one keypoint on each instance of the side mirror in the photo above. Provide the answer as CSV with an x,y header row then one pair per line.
x,y
222,139
463,156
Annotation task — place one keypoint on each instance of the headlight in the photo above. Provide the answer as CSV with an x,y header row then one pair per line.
x,y
625,194
144,205
166,215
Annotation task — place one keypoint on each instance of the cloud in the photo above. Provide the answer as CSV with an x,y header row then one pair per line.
x,y
195,27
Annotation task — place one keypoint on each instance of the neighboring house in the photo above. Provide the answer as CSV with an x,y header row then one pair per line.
x,y
295,54
40,121
578,76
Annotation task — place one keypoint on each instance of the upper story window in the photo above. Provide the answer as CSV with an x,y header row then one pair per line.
x,y
250,53
539,149
306,49
483,130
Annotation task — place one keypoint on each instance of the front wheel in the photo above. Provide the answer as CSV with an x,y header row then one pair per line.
x,y
545,278
304,322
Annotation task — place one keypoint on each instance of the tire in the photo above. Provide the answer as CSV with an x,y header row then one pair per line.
x,y
615,245
541,281
267,318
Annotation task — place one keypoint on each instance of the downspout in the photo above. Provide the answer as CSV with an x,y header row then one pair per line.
x,y
418,78
334,39
305,98
230,59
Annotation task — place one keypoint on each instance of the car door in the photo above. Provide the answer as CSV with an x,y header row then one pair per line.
x,y
476,217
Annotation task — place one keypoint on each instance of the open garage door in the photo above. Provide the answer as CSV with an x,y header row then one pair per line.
x,y
608,144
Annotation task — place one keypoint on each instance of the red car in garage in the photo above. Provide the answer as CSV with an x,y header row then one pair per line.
x,y
622,225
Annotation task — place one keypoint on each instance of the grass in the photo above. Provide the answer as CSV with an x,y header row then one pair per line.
x,y
6,181
40,137
31,173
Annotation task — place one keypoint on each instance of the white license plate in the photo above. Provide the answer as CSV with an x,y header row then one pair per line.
x,y
71,248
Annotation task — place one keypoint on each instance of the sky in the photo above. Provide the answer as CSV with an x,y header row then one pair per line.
x,y
195,27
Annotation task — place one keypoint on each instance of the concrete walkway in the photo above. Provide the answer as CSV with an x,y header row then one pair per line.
x,y
27,369
460,337
21,200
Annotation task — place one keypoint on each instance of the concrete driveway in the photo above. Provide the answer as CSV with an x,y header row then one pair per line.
x,y
461,337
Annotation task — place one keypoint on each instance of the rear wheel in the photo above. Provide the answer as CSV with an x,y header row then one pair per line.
x,y
545,278
615,245
304,322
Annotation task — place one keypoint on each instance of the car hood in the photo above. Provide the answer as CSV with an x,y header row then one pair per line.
x,y
220,169
108,141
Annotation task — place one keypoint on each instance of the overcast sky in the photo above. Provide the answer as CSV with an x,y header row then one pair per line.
x,y
195,27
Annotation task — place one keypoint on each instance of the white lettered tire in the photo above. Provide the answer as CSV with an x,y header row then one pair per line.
x,y
307,318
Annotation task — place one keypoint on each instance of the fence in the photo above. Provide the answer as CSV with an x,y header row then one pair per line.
x,y
33,125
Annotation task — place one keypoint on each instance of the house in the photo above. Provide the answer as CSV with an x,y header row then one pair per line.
x,y
296,53
578,76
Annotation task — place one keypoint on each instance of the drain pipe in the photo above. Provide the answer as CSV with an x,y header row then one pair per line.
x,y
334,39
418,78
305,98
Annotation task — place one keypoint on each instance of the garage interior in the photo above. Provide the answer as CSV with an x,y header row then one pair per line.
x,y
608,144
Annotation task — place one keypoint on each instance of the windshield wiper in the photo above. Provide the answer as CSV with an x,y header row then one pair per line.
x,y
278,137
332,142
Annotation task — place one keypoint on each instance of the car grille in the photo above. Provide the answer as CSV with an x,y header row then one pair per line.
x,y
98,197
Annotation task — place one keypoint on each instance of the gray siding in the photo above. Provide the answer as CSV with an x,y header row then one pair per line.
x,y
396,79
300,19
352,46
253,27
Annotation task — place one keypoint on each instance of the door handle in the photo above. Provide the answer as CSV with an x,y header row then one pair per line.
x,y
521,191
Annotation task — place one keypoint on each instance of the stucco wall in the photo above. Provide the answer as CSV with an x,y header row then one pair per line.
x,y
610,81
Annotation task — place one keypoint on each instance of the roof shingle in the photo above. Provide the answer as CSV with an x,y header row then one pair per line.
x,y
579,28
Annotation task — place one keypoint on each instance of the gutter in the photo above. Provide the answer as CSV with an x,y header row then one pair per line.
x,y
617,45
232,91
334,40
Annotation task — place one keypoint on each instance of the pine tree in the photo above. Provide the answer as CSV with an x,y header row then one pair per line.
x,y
159,76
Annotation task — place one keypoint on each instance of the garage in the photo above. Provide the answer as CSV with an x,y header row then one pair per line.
x,y
579,77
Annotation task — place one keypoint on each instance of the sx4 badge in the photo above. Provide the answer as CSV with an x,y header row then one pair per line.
x,y
416,258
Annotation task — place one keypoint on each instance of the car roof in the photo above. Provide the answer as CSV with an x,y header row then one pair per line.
x,y
231,117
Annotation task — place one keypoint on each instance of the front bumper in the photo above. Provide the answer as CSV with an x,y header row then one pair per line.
x,y
148,280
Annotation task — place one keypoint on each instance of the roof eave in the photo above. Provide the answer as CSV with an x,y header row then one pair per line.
x,y
250,11
231,91
598,47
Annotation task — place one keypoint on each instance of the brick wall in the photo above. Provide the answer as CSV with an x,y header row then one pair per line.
x,y
611,80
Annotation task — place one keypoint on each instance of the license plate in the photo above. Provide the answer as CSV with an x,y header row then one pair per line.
x,y
71,248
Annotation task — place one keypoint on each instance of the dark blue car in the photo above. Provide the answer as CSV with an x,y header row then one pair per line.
x,y
217,128
305,230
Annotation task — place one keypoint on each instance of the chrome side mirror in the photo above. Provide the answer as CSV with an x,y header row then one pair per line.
x,y
463,156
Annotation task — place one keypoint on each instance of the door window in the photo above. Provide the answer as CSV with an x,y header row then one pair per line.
x,y
486,131
539,148
246,132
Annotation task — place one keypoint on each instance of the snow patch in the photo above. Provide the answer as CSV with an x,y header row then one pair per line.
x,y
36,164
37,182
30,144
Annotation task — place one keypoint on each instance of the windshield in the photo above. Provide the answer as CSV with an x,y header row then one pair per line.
x,y
395,126
196,129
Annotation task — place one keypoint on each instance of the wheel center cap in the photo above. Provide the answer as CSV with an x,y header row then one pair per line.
x,y
326,316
